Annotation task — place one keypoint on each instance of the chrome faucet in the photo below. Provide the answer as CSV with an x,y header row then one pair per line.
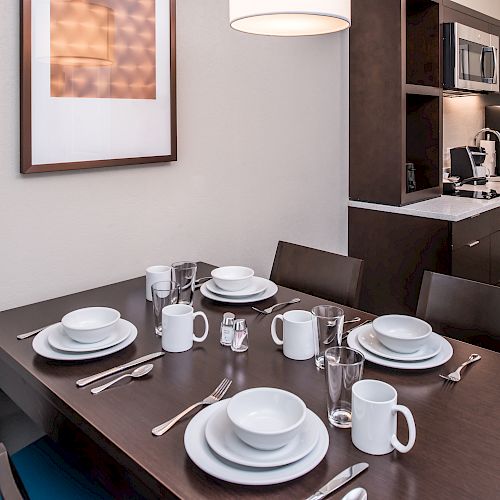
x,y
485,131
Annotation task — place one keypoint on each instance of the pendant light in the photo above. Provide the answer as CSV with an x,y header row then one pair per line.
x,y
290,17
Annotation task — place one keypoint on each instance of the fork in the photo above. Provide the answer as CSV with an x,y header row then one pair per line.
x,y
269,310
215,397
455,376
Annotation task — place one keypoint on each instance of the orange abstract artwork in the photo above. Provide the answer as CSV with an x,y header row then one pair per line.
x,y
103,49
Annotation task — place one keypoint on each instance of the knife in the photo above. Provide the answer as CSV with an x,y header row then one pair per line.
x,y
88,380
339,480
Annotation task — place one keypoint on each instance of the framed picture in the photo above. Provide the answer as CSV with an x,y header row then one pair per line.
x,y
98,83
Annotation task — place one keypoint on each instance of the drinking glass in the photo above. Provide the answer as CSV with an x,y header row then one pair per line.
x,y
184,273
164,293
343,368
328,327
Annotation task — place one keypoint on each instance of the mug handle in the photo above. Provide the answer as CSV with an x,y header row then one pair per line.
x,y
205,334
276,339
412,430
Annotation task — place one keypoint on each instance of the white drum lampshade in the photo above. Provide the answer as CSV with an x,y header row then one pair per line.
x,y
290,17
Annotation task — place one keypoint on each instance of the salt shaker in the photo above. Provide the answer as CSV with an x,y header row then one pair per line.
x,y
227,329
240,338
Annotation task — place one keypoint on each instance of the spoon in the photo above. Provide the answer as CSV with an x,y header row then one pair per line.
x,y
356,494
137,373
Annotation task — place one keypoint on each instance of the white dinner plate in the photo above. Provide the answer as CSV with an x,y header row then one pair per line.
x,y
270,291
368,339
442,357
58,339
200,453
257,285
225,442
42,347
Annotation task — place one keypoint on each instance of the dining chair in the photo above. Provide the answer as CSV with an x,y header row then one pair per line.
x,y
39,472
324,274
461,309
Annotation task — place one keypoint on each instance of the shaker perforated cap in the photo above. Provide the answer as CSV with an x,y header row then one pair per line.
x,y
240,325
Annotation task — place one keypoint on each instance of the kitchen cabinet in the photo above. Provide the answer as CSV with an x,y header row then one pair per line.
x,y
395,100
398,248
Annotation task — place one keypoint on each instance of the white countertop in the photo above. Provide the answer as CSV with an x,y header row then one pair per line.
x,y
449,208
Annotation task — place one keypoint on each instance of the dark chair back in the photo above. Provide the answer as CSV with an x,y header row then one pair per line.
x,y
8,487
461,309
327,275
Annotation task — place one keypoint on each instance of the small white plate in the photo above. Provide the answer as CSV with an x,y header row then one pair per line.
x,y
58,339
257,285
441,358
368,339
201,454
42,347
270,291
226,443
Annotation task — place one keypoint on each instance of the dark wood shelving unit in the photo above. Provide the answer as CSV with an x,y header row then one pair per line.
x,y
395,100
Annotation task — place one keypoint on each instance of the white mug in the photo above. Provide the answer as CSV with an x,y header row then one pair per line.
x,y
298,337
177,328
154,274
374,418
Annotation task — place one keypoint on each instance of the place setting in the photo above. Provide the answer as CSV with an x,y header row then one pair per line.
x,y
237,285
260,436
403,342
84,334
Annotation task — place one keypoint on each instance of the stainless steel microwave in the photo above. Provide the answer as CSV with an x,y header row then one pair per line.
x,y
470,59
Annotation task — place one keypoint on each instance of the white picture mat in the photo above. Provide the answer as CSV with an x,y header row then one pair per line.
x,y
67,129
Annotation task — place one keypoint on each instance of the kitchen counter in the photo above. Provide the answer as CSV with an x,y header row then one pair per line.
x,y
449,208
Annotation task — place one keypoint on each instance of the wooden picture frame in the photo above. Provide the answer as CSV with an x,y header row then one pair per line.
x,y
98,86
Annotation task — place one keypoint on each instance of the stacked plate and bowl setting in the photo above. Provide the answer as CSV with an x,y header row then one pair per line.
x,y
260,436
89,333
402,342
237,285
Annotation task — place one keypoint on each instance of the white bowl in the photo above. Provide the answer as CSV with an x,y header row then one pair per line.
x,y
266,418
91,324
404,334
232,278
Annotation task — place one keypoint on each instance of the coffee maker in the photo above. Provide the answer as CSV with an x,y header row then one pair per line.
x,y
466,163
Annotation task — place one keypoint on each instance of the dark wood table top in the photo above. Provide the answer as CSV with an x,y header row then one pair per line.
x,y
456,455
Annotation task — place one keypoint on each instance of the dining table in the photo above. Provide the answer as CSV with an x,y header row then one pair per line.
x,y
457,449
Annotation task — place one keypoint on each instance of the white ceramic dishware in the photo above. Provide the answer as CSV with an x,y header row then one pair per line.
x,y
374,418
178,328
370,342
59,340
154,274
232,278
298,337
90,324
257,285
228,445
270,291
266,418
404,334
42,347
202,455
444,354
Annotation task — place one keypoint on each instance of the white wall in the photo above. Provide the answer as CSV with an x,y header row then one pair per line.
x,y
263,156
488,7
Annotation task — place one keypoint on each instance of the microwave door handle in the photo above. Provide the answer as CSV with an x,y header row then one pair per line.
x,y
495,64
488,79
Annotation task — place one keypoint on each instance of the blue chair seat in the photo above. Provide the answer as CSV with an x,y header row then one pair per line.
x,y
47,476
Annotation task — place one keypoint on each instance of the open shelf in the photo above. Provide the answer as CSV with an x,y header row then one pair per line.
x,y
422,90
423,147
423,34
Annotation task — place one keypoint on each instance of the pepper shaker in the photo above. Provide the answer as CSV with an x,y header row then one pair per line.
x,y
240,338
227,329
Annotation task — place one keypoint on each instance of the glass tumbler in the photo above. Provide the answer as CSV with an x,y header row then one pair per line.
x,y
343,368
184,273
164,293
328,327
